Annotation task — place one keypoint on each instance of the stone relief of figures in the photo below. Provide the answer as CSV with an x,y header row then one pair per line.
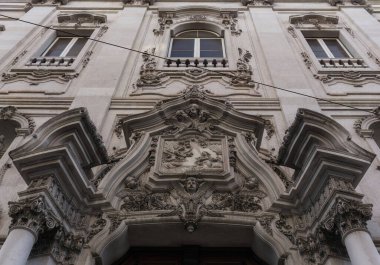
x,y
194,154
193,117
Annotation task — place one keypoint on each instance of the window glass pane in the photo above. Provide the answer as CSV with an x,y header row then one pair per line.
x,y
335,48
317,48
77,47
211,48
182,48
58,47
188,34
207,34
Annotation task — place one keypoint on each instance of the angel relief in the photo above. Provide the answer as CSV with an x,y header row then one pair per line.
x,y
194,154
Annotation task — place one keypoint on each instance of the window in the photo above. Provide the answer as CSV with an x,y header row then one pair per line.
x,y
328,48
332,49
197,44
65,47
61,50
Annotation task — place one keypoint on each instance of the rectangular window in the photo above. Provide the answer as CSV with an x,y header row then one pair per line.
x,y
324,48
65,47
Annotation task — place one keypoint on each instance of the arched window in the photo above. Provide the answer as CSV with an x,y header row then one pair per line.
x,y
197,44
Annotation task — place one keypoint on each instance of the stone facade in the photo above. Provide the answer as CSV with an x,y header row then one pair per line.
x,y
112,148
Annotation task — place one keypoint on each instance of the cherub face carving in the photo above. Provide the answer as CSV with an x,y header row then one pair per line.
x,y
191,185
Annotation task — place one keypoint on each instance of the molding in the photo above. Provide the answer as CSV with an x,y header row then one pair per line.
x,y
82,17
315,146
66,146
314,19
257,2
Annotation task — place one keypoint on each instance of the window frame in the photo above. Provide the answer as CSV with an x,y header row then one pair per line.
x,y
345,40
67,49
326,49
196,53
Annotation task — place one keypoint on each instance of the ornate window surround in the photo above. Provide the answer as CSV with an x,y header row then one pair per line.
x,y
222,22
155,74
362,127
327,25
27,126
78,23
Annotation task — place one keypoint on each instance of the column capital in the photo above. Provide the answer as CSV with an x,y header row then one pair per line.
x,y
347,216
32,214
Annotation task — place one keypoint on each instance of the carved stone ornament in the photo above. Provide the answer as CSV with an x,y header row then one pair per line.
x,y
348,77
39,76
347,216
362,125
164,21
243,75
342,2
192,199
230,22
149,76
32,214
26,122
188,169
62,246
97,226
314,19
257,2
153,78
62,2
82,17
138,2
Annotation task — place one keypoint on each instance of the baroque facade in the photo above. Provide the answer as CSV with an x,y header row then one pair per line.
x,y
239,124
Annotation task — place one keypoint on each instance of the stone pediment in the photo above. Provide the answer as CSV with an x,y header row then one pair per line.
x,y
191,157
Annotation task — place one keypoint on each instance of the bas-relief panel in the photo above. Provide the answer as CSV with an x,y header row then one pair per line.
x,y
194,154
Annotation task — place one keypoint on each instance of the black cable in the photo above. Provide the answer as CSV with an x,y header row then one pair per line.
x,y
195,66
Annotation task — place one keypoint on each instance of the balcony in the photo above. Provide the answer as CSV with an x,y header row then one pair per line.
x,y
342,63
188,62
50,61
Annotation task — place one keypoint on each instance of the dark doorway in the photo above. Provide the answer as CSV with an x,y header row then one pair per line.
x,y
189,255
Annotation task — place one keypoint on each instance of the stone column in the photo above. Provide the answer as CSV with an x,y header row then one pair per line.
x,y
17,247
361,249
30,217
349,217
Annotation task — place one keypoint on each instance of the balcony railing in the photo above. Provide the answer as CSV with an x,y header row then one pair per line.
x,y
50,61
342,63
197,62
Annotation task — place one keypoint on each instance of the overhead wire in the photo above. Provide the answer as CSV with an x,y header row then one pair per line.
x,y
195,66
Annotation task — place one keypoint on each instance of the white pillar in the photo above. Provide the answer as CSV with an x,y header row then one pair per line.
x,y
361,248
17,247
